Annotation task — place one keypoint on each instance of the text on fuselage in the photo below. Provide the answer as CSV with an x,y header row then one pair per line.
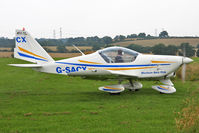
x,y
70,69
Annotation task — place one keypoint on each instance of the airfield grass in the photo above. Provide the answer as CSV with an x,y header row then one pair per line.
x,y
38,102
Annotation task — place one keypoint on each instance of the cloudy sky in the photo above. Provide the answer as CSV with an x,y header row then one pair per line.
x,y
99,17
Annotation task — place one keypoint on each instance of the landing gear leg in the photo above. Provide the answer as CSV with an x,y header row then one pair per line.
x,y
131,83
120,81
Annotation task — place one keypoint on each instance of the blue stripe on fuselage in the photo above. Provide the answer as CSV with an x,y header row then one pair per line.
x,y
94,65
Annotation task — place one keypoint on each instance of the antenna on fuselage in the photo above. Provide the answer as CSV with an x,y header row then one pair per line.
x,y
78,50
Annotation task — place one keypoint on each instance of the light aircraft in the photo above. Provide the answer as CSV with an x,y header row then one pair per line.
x,y
112,62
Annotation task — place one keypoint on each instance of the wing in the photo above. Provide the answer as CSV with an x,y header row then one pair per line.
x,y
122,73
114,75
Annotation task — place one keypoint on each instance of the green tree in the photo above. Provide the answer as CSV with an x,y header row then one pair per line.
x,y
163,34
142,35
116,38
132,36
197,53
96,47
107,40
171,50
135,47
122,38
93,41
139,48
197,46
119,38
189,50
159,49
61,49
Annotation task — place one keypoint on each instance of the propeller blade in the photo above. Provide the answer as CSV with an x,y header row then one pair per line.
x,y
183,72
185,60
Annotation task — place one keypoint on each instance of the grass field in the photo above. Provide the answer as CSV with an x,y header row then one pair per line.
x,y
36,102
152,42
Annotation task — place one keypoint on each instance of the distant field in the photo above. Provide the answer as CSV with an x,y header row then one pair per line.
x,y
54,55
54,48
64,55
36,102
172,41
6,54
1,48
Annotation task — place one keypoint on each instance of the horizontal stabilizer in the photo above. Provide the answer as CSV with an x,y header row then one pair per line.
x,y
26,65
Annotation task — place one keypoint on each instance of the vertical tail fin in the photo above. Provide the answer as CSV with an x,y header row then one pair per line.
x,y
27,48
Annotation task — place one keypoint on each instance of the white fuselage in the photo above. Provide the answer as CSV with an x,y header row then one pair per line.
x,y
118,61
144,66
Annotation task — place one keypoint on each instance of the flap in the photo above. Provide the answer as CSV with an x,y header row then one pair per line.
x,y
122,73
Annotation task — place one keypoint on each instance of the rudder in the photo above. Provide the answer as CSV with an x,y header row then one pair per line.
x,y
27,48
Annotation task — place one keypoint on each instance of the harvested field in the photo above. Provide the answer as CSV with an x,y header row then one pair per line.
x,y
6,54
54,55
8,49
64,55
170,41
54,48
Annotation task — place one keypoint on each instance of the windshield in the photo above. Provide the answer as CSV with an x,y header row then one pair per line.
x,y
118,55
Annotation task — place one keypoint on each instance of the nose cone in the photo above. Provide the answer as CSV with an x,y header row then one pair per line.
x,y
187,60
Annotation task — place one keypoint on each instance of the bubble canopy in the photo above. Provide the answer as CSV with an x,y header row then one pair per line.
x,y
118,55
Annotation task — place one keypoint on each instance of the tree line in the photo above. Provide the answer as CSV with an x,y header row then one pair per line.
x,y
159,49
106,41
81,41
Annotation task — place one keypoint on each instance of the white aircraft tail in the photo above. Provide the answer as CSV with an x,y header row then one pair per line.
x,y
27,48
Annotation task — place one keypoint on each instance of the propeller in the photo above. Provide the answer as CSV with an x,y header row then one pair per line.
x,y
185,60
183,66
